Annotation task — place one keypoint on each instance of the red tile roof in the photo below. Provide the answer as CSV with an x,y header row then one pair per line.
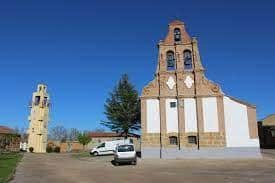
x,y
6,130
110,134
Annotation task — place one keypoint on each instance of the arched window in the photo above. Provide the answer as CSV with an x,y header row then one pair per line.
x,y
170,60
187,59
36,100
45,101
177,35
173,140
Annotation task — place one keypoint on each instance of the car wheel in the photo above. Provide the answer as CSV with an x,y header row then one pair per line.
x,y
116,163
95,153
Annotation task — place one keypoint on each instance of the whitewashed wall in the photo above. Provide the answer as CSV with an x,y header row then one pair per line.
x,y
190,115
210,114
236,125
152,118
171,116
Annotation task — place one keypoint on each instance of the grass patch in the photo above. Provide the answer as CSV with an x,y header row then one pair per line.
x,y
8,162
81,155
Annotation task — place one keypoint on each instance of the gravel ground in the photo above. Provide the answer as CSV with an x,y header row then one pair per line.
x,y
40,168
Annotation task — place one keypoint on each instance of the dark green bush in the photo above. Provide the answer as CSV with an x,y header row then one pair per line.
x,y
57,149
49,149
31,149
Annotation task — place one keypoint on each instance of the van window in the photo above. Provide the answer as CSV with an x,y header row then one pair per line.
x,y
101,145
125,148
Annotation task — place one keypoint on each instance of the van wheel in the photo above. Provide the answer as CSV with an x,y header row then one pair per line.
x,y
95,153
134,162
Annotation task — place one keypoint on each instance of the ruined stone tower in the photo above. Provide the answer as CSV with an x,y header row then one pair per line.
x,y
39,118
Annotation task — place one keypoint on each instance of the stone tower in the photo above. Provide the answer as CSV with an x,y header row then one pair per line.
x,y
181,109
39,118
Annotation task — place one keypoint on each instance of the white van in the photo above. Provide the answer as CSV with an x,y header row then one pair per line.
x,y
108,147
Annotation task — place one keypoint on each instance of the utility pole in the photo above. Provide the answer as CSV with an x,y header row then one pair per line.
x,y
160,138
196,97
177,95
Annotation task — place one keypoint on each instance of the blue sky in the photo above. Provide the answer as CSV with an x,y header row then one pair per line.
x,y
81,48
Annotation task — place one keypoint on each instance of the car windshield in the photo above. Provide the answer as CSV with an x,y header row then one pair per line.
x,y
125,148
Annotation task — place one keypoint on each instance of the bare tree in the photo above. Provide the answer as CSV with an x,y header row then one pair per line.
x,y
72,134
16,130
58,133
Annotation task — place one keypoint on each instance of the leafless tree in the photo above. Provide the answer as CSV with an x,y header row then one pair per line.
x,y
58,133
72,134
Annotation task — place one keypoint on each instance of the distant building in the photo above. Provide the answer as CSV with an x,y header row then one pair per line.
x,y
97,138
9,140
39,118
182,110
266,130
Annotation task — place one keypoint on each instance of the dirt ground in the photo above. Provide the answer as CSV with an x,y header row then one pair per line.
x,y
40,168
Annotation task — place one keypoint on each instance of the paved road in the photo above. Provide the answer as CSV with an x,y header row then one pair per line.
x,y
40,168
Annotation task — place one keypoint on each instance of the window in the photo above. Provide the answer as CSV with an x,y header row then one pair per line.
x,y
37,100
192,139
170,60
177,35
173,140
187,59
45,101
173,104
125,148
273,133
101,145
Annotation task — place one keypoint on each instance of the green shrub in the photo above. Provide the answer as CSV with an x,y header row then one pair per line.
x,y
49,149
31,149
57,149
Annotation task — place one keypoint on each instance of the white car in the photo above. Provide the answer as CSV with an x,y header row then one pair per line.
x,y
125,154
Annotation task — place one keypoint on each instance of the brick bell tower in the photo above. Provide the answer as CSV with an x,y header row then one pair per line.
x,y
39,118
178,88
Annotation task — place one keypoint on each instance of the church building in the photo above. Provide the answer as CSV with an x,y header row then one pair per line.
x,y
39,118
186,115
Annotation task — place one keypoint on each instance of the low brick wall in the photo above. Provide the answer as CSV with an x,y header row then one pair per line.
x,y
71,147
14,144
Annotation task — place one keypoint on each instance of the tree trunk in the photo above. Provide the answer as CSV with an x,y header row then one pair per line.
x,y
126,134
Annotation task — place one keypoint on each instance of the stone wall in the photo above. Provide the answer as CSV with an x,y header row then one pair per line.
x,y
9,142
209,139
